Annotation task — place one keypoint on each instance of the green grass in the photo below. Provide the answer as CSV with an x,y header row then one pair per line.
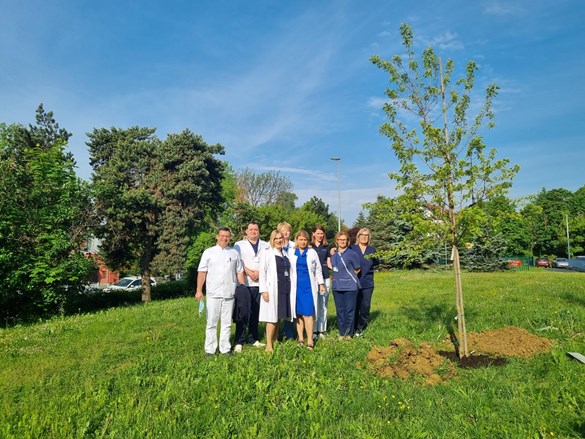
x,y
140,371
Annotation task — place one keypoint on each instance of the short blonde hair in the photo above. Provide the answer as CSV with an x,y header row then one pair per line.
x,y
363,231
284,225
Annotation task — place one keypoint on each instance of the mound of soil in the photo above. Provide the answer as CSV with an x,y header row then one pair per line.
x,y
509,341
402,359
489,348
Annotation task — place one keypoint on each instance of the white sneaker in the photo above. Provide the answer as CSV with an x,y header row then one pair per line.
x,y
238,348
258,344
322,335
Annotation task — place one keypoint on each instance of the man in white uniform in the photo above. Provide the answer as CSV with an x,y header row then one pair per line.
x,y
222,270
250,249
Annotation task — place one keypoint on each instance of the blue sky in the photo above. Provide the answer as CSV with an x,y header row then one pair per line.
x,y
284,86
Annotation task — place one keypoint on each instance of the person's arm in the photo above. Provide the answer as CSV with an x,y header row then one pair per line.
x,y
241,278
201,277
318,271
252,274
262,278
374,259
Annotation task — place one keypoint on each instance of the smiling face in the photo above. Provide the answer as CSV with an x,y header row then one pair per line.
x,y
278,241
318,236
223,238
252,232
342,241
363,237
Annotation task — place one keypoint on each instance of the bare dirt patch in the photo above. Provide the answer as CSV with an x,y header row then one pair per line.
x,y
489,348
509,341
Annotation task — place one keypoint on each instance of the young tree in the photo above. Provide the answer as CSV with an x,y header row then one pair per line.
x,y
45,215
151,195
444,160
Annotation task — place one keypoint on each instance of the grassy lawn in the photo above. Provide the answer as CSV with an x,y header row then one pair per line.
x,y
141,371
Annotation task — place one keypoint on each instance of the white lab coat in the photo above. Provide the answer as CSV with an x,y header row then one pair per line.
x,y
269,282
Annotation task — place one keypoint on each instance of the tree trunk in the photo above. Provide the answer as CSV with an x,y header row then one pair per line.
x,y
461,329
145,275
146,285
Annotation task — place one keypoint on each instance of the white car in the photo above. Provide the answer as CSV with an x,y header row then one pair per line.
x,y
129,283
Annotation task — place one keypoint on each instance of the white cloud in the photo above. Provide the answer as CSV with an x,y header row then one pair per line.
x,y
447,40
377,102
502,9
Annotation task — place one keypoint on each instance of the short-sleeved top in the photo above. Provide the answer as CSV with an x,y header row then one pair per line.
x,y
222,267
251,256
343,270
323,253
366,274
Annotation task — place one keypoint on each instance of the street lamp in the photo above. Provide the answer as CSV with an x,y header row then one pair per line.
x,y
338,160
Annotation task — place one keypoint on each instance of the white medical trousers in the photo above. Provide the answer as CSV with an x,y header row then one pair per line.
x,y
218,309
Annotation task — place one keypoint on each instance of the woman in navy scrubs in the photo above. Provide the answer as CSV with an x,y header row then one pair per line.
x,y
366,277
345,266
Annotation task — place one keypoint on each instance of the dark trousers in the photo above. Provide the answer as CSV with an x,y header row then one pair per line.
x,y
362,308
290,329
345,304
250,320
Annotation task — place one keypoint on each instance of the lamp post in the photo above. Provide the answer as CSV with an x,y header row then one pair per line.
x,y
338,160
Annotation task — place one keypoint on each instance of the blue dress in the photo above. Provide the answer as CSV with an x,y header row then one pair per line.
x,y
304,305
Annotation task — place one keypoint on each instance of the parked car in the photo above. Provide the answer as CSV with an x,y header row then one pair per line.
x,y
543,262
561,263
129,283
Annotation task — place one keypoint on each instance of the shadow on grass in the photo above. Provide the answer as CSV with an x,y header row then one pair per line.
x,y
97,300
573,299
474,361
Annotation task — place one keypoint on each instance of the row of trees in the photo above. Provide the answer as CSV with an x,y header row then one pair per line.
x,y
491,231
153,203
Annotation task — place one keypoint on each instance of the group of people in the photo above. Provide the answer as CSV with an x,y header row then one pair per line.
x,y
285,280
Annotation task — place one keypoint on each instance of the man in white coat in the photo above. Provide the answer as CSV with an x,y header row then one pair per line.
x,y
221,270
251,249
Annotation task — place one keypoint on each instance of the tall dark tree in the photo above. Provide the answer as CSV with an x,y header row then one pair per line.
x,y
392,222
151,195
320,208
45,215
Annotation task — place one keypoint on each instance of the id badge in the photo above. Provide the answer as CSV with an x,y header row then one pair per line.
x,y
335,269
286,273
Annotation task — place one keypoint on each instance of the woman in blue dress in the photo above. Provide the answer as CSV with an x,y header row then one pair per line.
x,y
309,284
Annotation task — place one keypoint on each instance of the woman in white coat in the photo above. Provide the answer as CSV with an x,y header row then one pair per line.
x,y
278,285
309,284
